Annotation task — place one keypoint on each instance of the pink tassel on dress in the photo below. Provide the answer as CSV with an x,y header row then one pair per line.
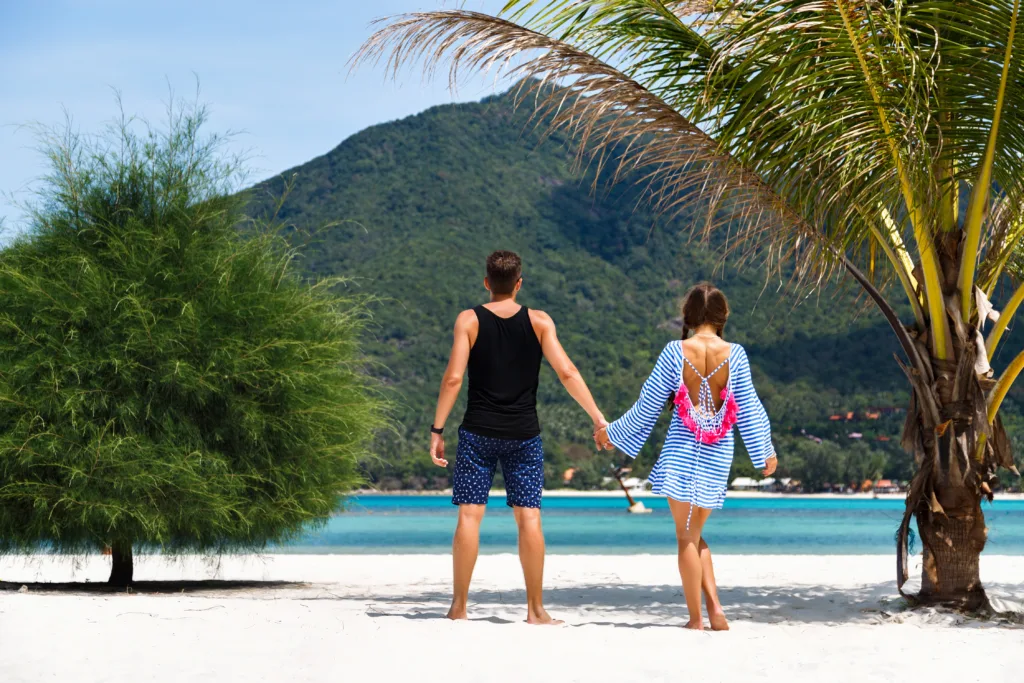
x,y
706,433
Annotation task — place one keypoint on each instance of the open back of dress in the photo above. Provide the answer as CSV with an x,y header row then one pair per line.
x,y
708,419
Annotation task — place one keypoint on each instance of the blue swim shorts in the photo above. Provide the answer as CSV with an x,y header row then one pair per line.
x,y
522,465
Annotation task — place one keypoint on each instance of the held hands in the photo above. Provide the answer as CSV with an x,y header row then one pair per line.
x,y
769,466
437,450
601,439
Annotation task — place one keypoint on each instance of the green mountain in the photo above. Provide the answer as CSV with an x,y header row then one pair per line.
x,y
410,209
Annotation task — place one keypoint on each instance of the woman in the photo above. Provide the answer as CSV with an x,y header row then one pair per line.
x,y
709,382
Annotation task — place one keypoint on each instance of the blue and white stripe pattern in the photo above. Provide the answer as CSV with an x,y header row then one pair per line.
x,y
688,471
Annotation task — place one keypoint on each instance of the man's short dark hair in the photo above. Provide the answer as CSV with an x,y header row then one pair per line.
x,y
504,268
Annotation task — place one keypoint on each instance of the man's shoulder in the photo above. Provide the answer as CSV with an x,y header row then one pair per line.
x,y
539,317
466,319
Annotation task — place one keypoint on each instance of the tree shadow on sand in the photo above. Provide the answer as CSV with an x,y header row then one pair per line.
x,y
663,606
148,587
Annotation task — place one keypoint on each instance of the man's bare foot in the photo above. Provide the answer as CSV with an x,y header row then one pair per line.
x,y
695,624
542,618
718,621
456,613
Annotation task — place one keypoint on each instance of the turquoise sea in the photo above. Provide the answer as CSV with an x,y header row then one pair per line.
x,y
601,525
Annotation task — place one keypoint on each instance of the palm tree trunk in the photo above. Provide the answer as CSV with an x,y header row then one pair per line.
x,y
957,452
122,567
952,545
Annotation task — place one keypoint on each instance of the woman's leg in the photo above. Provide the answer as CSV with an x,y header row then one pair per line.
x,y
715,613
690,570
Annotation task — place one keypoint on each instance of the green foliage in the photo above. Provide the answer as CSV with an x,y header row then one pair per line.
x,y
425,199
828,462
164,380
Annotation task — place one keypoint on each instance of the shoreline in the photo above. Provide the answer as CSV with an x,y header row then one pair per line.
x,y
572,493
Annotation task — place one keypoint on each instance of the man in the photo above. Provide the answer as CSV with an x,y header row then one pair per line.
x,y
501,343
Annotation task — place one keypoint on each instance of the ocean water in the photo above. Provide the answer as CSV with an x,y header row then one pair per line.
x,y
601,525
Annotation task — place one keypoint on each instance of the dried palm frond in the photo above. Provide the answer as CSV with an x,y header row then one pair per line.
x,y
616,121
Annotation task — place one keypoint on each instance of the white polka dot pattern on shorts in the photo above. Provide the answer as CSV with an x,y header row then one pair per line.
x,y
522,465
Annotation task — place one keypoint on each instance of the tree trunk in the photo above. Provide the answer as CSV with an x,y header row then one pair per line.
x,y
122,568
958,453
957,447
952,549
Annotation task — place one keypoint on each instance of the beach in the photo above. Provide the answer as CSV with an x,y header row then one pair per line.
x,y
379,618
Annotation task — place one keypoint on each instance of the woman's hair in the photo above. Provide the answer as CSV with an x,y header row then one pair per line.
x,y
705,305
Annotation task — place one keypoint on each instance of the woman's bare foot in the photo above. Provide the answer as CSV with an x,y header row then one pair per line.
x,y
718,620
695,624
540,617
456,613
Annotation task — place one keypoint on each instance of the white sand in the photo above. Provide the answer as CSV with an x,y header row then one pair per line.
x,y
377,618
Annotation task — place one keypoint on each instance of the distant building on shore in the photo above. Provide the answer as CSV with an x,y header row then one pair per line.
x,y
873,413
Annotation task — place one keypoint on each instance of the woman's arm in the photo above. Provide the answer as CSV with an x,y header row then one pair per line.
x,y
752,421
630,432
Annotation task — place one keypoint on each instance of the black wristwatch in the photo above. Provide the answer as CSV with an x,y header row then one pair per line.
x,y
436,430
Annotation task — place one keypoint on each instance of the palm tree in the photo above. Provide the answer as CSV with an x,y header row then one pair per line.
x,y
883,139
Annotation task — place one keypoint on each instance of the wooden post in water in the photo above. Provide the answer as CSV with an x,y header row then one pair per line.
x,y
634,507
629,498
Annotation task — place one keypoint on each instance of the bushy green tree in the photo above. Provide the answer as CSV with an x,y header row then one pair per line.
x,y
167,380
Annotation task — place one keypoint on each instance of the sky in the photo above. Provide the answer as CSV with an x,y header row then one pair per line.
x,y
274,72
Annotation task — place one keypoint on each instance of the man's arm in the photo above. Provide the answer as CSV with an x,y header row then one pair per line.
x,y
451,383
570,377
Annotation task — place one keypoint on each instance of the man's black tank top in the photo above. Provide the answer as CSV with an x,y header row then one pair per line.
x,y
504,370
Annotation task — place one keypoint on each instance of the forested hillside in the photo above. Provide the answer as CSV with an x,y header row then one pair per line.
x,y
411,208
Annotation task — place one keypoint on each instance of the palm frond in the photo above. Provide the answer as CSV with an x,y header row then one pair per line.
x,y
839,105
616,120
979,197
1007,314
1004,232
1014,269
816,131
809,96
